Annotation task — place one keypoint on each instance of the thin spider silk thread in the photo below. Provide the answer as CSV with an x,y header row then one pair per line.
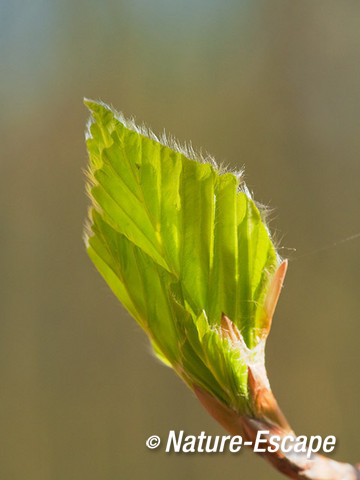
x,y
322,249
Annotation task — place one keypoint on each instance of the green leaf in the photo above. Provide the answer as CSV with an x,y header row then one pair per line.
x,y
179,243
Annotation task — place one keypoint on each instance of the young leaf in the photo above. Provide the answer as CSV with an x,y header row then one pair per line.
x,y
180,243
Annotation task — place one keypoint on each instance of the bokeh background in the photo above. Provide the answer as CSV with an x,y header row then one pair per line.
x,y
272,86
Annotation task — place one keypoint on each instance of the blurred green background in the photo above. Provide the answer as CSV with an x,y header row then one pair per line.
x,y
272,86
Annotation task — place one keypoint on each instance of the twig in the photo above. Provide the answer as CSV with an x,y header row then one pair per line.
x,y
294,465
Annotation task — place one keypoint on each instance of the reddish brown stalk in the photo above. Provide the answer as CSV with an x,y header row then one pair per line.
x,y
296,466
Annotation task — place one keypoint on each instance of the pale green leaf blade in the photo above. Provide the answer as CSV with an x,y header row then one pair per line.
x,y
180,243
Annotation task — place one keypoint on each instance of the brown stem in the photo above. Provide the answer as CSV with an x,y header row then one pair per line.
x,y
293,465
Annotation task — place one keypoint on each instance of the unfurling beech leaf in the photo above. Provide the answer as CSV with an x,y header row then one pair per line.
x,y
180,243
